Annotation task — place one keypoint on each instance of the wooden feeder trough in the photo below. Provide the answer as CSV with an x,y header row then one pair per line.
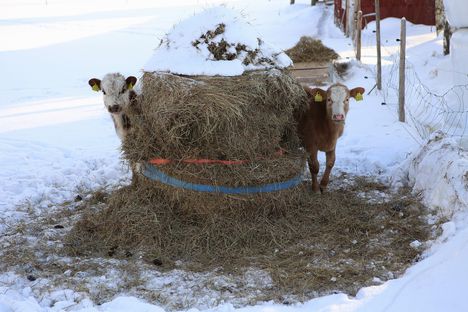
x,y
311,73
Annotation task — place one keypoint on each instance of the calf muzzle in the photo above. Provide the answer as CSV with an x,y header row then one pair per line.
x,y
114,109
338,117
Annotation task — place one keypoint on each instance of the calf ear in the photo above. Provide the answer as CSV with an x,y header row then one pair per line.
x,y
95,84
131,81
317,94
357,93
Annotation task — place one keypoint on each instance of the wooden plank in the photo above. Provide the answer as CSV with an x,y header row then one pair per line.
x,y
379,53
347,18
358,35
309,65
401,88
311,73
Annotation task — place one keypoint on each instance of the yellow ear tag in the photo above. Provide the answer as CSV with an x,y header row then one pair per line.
x,y
130,86
96,87
358,97
318,97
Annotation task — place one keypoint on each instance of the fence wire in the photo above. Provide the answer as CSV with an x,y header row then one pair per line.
x,y
426,110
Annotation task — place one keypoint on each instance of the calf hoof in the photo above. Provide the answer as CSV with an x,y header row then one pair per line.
x,y
323,189
316,190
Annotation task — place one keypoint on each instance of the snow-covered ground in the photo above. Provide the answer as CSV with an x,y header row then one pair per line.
x,y
55,135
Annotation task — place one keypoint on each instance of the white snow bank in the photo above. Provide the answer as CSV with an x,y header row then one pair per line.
x,y
456,12
184,51
124,304
440,171
458,56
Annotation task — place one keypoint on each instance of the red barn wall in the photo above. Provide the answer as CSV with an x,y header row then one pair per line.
x,y
415,11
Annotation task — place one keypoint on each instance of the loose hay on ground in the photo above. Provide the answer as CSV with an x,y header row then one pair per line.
x,y
309,244
336,242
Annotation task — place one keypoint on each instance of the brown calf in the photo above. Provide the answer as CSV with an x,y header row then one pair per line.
x,y
322,124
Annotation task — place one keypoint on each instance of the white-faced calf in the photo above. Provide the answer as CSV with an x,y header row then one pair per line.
x,y
118,96
322,124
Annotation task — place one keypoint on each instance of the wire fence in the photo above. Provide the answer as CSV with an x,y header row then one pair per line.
x,y
426,110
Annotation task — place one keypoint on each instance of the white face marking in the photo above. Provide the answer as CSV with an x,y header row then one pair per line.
x,y
115,92
339,98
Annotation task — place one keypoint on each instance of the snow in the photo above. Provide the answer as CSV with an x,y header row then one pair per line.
x,y
445,186
123,304
184,42
56,137
456,12
458,53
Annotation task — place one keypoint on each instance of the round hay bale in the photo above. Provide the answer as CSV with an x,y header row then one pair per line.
x,y
241,117
248,118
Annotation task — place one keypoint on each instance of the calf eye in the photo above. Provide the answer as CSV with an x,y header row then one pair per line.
x,y
122,92
104,92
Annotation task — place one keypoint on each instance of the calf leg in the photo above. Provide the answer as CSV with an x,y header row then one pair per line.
x,y
326,175
136,171
314,169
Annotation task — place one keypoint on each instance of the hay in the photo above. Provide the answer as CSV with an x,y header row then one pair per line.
x,y
343,243
302,240
242,117
311,50
287,233
248,118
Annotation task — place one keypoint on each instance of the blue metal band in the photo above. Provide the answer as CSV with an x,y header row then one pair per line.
x,y
154,173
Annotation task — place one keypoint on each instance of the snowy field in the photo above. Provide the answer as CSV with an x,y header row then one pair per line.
x,y
56,137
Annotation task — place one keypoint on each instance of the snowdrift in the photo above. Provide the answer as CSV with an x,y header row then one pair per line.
x,y
218,41
445,185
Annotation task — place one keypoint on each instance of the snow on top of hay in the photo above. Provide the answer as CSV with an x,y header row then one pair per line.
x,y
217,41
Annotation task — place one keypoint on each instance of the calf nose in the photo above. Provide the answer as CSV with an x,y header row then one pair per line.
x,y
338,117
114,109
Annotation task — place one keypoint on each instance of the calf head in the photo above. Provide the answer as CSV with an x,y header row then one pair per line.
x,y
115,88
336,99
